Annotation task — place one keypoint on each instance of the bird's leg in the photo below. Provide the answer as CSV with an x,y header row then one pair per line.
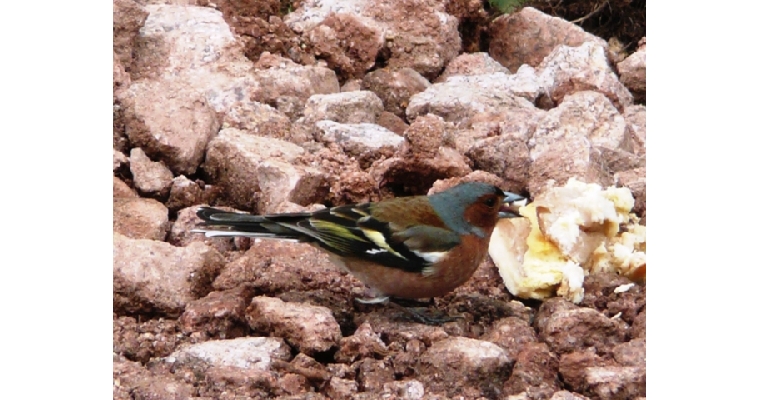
x,y
418,315
372,300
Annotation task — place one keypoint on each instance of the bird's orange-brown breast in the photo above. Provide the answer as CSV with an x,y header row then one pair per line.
x,y
458,266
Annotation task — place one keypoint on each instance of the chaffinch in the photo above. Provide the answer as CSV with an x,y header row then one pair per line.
x,y
407,247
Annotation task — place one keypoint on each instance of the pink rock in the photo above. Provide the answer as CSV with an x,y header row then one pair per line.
x,y
180,234
362,344
366,142
395,87
580,328
609,383
170,121
288,85
460,366
152,276
150,177
633,353
462,97
528,36
472,64
636,128
418,33
184,193
511,334
128,17
567,70
345,107
633,73
584,137
219,314
259,173
121,189
310,329
247,352
535,372
140,218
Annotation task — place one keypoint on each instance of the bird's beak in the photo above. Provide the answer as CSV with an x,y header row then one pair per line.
x,y
511,206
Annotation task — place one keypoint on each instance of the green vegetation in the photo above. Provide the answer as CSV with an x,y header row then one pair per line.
x,y
506,6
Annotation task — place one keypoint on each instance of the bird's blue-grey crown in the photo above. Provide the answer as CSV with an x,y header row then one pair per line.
x,y
451,204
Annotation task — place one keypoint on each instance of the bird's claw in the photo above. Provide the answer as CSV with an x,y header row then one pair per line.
x,y
425,318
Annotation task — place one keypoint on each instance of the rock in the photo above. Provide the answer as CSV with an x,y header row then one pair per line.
x,y
567,158
121,189
346,107
392,122
469,64
372,375
352,85
395,87
460,366
151,276
128,17
366,142
548,308
582,138
257,119
535,372
602,293
504,157
528,36
287,85
132,381
273,267
180,234
184,193
511,334
310,329
639,328
462,97
170,121
140,218
567,70
633,73
576,329
422,161
246,352
404,390
573,366
340,389
120,162
180,39
565,395
258,173
609,383
145,340
218,315
636,129
632,354
347,42
415,33
362,344
151,178
238,383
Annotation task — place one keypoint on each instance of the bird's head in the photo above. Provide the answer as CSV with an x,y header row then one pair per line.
x,y
475,207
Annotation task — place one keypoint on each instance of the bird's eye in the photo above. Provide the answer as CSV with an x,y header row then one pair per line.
x,y
490,202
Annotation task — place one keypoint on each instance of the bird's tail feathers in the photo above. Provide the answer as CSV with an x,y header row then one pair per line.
x,y
219,223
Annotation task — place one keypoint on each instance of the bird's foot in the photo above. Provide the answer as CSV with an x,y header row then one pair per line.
x,y
373,300
418,315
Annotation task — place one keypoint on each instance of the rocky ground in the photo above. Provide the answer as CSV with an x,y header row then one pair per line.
x,y
273,106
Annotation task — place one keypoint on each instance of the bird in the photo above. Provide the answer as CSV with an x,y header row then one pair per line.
x,y
411,247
